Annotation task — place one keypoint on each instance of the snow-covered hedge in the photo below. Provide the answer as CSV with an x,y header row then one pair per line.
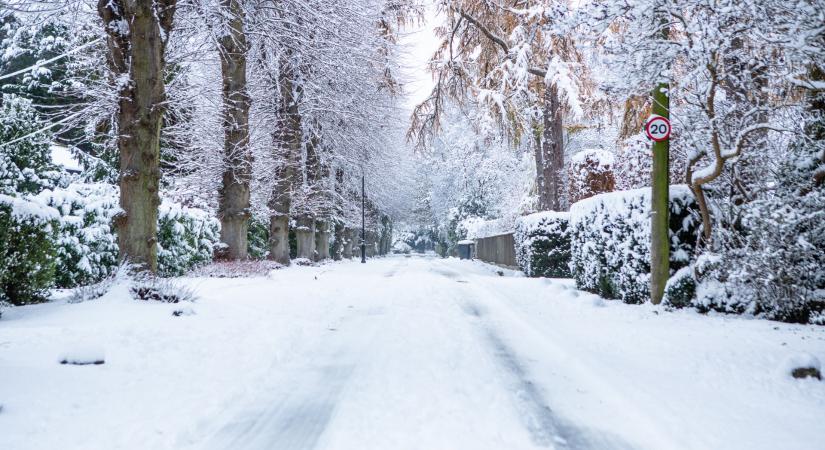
x,y
86,245
610,239
542,243
27,257
187,238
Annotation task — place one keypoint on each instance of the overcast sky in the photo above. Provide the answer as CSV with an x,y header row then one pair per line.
x,y
418,45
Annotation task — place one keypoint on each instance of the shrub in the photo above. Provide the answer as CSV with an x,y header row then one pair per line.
x,y
27,262
591,173
543,244
257,237
87,250
610,241
187,238
25,165
151,288
680,290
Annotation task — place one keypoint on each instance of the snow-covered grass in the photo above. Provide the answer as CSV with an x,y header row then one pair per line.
x,y
401,353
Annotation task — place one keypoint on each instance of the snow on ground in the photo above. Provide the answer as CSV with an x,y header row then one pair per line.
x,y
401,353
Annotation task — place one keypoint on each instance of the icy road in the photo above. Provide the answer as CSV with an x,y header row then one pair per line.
x,y
412,353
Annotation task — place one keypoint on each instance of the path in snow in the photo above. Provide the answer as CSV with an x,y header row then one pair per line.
x,y
401,353
428,296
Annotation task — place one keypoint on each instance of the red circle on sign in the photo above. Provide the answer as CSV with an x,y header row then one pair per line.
x,y
658,128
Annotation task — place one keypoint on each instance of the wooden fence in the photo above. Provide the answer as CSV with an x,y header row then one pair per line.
x,y
498,249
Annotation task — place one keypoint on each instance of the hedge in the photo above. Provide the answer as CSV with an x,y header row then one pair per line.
x,y
610,239
542,243
86,246
27,255
187,238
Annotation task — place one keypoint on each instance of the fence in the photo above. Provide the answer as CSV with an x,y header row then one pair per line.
x,y
498,249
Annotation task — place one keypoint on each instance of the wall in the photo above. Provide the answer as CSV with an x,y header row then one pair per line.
x,y
498,249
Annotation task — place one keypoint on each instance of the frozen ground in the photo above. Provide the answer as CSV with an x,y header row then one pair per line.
x,y
400,353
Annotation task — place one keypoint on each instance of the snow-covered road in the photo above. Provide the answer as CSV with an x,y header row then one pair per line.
x,y
402,353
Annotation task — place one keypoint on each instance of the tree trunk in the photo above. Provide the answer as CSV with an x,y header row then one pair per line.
x,y
279,239
370,244
287,143
349,236
233,203
551,195
540,181
338,245
138,55
305,236
321,239
386,236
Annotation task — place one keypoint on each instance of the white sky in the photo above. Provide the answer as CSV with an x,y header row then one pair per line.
x,y
418,45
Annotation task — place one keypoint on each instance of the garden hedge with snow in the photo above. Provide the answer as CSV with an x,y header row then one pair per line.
x,y
56,231
604,244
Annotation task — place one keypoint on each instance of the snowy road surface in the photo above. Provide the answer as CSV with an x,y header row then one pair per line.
x,y
401,353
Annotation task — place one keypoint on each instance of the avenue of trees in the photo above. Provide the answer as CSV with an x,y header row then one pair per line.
x,y
266,112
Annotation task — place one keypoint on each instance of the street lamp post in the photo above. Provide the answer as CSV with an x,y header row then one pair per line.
x,y
363,223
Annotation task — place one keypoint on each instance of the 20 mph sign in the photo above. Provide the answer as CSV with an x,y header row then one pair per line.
x,y
658,128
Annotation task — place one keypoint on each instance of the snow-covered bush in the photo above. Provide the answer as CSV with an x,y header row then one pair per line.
x,y
87,250
27,239
25,163
772,262
680,290
152,288
543,244
610,241
634,163
187,238
257,237
591,173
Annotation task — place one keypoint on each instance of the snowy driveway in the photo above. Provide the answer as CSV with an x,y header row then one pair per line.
x,y
411,353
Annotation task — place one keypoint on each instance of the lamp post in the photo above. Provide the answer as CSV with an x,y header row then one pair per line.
x,y
363,222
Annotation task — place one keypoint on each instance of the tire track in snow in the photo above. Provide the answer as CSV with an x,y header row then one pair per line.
x,y
296,407
545,427
296,420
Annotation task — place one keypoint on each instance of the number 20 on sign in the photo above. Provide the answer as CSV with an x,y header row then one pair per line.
x,y
658,128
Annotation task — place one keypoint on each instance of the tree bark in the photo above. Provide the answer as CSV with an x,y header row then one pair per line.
x,y
139,55
552,153
370,242
305,236
233,202
349,236
338,245
321,239
279,239
287,144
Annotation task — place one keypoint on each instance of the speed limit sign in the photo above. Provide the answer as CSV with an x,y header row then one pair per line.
x,y
658,128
